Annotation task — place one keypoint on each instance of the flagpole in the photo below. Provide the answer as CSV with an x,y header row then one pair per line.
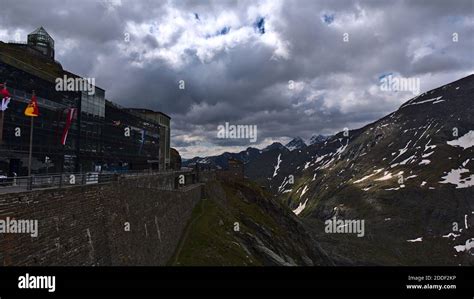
x,y
1,119
1,127
31,143
31,146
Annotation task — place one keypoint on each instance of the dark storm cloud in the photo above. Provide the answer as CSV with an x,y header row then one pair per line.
x,y
140,50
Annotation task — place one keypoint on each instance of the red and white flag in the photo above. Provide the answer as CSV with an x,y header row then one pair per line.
x,y
70,116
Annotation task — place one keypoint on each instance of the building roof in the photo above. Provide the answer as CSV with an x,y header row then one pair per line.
x,y
41,31
144,110
21,57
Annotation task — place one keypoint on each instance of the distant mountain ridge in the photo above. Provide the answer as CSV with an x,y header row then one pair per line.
x,y
220,161
246,156
296,143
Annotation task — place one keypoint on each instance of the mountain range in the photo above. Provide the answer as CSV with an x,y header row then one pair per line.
x,y
251,153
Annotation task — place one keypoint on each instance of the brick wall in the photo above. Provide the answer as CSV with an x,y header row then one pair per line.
x,y
85,225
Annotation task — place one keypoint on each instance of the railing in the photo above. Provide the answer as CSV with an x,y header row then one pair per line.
x,y
11,41
53,181
22,183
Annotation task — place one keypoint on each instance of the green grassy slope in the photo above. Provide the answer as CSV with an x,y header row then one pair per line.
x,y
238,224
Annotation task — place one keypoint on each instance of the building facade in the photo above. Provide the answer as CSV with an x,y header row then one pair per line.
x,y
102,135
163,121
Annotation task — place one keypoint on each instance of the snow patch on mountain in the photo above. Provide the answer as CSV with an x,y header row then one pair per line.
x,y
469,244
387,176
465,141
300,207
453,235
421,102
283,184
277,167
342,148
401,151
376,171
305,189
395,188
320,158
455,177
424,162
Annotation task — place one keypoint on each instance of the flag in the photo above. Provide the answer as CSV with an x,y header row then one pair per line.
x,y
32,108
70,116
5,102
3,106
4,92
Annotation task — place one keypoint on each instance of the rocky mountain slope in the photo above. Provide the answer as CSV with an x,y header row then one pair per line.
x,y
409,175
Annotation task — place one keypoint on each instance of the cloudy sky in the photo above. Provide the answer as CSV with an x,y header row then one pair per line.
x,y
293,68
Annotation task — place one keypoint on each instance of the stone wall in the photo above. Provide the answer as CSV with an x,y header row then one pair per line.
x,y
87,225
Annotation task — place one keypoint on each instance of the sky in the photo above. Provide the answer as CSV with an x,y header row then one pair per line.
x,y
290,68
